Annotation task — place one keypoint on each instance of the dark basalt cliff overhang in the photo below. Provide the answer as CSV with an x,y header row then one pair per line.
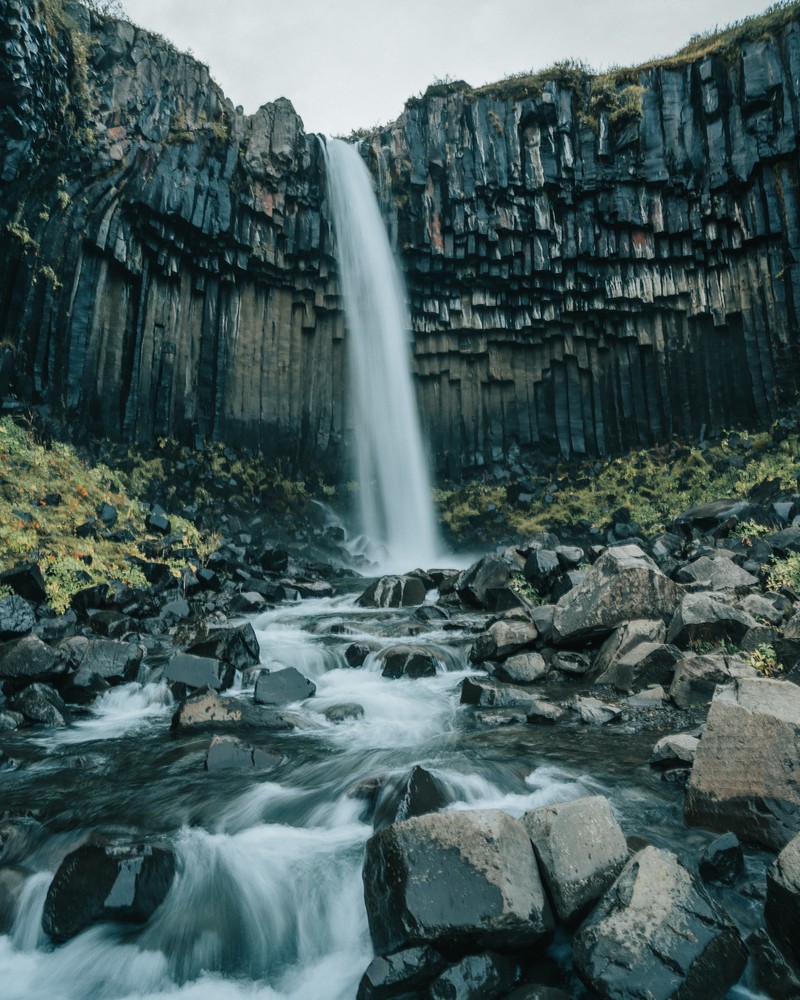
x,y
591,265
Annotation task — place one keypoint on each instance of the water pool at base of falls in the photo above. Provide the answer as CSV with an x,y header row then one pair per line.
x,y
267,901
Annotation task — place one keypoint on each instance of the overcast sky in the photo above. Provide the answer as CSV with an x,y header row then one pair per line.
x,y
347,64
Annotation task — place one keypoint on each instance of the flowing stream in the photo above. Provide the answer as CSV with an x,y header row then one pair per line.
x,y
268,901
396,506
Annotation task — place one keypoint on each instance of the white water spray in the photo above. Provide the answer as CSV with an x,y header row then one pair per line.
x,y
395,490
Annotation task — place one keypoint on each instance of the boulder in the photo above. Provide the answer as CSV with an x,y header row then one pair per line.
x,y
226,753
624,584
105,882
198,672
716,518
723,860
16,617
658,934
706,618
595,712
503,639
542,567
492,694
697,676
624,639
405,973
39,703
524,668
28,659
466,880
344,712
237,646
676,750
716,572
282,687
482,583
476,977
774,976
98,664
580,848
209,710
782,907
646,663
413,794
393,592
356,653
571,663
744,778
408,661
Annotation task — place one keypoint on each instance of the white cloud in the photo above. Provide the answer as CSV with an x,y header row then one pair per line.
x,y
351,63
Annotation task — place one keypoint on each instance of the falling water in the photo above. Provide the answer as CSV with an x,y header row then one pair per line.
x,y
395,491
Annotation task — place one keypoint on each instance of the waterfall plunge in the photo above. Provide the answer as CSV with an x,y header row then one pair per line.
x,y
395,491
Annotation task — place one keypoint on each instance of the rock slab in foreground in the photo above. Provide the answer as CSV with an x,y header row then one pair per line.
x,y
782,908
657,934
104,882
745,774
624,584
208,710
464,880
580,848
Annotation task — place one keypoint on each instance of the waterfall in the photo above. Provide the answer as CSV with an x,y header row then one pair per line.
x,y
396,507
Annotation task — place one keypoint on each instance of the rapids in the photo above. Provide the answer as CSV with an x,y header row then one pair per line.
x,y
268,898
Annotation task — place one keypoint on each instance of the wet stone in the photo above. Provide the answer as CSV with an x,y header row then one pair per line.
x,y
198,672
17,617
237,646
97,883
404,973
282,687
488,976
408,661
227,753
209,710
723,860
356,653
413,794
39,703
345,712
411,870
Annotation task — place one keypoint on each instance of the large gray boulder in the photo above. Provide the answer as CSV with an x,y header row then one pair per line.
x,y
623,584
282,687
717,572
646,663
745,771
707,618
657,934
25,660
406,660
697,675
482,583
208,710
625,638
782,908
523,668
503,639
465,880
580,849
393,592
198,672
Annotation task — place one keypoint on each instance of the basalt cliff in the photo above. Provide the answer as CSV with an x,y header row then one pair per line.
x,y
592,264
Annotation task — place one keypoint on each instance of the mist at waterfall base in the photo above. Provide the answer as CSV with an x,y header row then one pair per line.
x,y
396,511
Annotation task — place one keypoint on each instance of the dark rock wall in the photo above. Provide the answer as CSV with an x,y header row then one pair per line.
x,y
585,288
575,286
164,254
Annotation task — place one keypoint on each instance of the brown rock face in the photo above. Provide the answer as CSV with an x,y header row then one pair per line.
x,y
576,286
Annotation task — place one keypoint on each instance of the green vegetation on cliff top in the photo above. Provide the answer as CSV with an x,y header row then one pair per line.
x,y
617,90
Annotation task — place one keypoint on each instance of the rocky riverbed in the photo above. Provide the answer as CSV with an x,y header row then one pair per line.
x,y
282,779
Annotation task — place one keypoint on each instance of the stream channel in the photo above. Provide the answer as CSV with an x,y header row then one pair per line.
x,y
268,898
